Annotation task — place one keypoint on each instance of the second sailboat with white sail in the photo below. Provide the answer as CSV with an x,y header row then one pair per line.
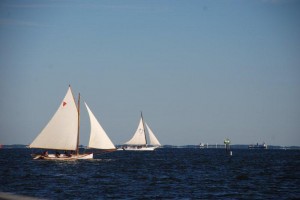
x,y
139,140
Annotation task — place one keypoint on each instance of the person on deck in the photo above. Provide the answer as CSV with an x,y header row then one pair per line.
x,y
67,154
45,153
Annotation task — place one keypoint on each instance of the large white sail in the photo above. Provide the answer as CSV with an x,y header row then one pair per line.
x,y
61,131
98,137
139,136
153,140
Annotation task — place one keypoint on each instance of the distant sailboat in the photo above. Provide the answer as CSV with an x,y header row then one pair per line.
x,y
62,133
139,140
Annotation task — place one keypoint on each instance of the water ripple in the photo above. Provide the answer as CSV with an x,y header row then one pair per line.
x,y
162,174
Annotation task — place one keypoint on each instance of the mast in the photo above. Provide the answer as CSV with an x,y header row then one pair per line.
x,y
144,128
78,129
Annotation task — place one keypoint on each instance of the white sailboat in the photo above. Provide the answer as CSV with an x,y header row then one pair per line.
x,y
62,133
139,140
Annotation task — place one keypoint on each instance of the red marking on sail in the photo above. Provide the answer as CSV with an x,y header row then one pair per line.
x,y
64,103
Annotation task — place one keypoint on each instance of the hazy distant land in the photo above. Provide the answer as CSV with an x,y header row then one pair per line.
x,y
209,146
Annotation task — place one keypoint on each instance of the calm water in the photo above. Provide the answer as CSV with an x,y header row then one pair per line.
x,y
162,174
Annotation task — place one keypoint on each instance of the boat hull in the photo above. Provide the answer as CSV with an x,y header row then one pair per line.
x,y
136,148
63,157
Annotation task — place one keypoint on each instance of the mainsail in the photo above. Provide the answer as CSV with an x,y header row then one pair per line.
x,y
139,138
98,137
61,131
153,140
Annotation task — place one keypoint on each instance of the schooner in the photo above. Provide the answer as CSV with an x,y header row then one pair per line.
x,y
139,140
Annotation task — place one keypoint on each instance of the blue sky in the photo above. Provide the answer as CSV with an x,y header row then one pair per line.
x,y
200,71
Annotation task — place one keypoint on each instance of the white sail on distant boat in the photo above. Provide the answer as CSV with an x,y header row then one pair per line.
x,y
62,133
139,140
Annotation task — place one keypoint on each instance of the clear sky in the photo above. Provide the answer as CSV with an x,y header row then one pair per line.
x,y
200,71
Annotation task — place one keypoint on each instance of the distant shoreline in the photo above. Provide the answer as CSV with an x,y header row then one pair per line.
x,y
206,146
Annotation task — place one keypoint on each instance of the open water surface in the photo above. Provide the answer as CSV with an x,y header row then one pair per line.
x,y
161,174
